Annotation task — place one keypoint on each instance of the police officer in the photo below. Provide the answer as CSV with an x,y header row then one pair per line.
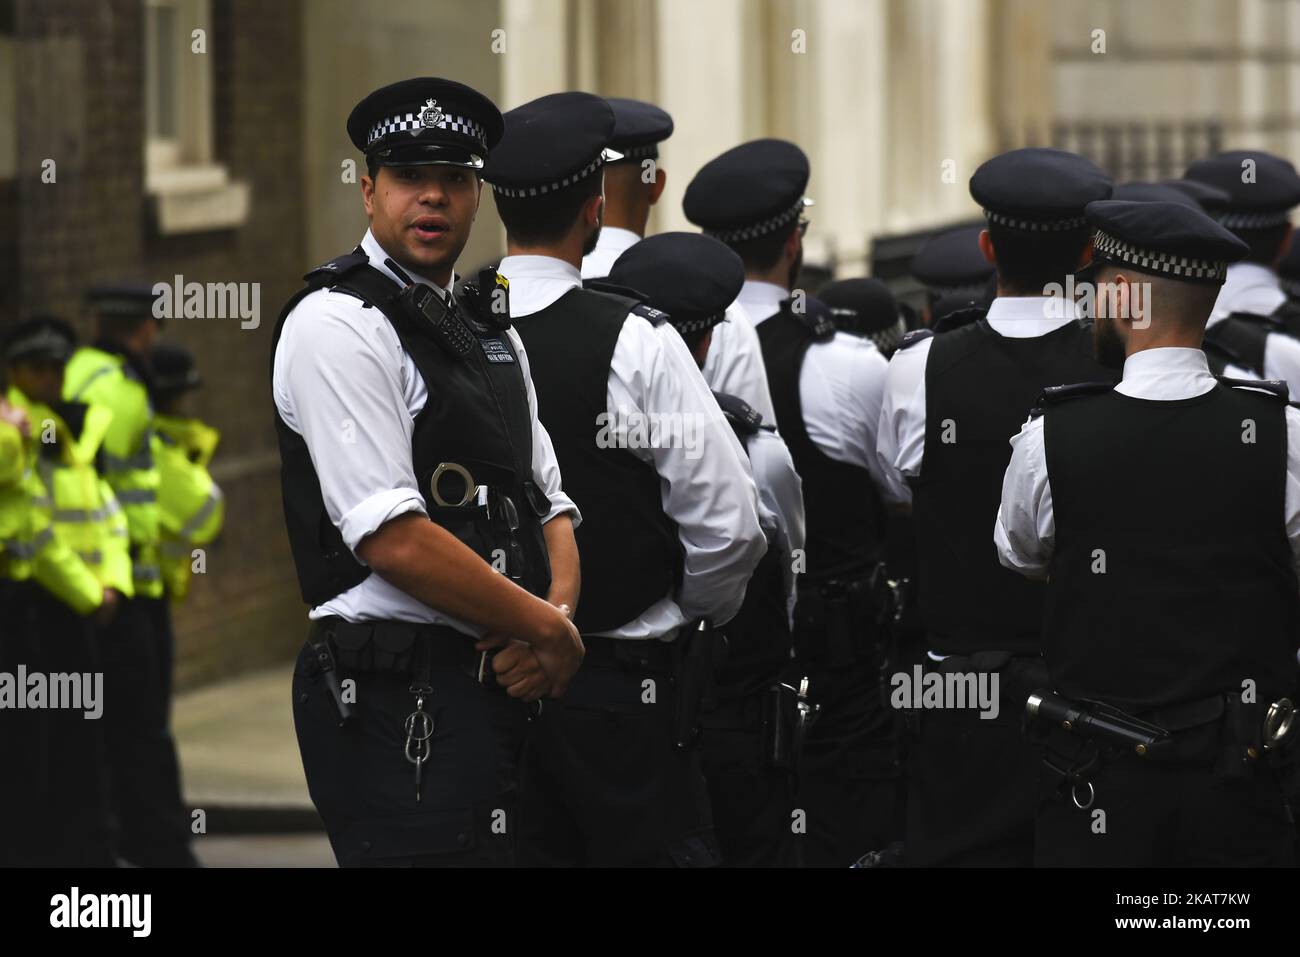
x,y
751,725
827,388
955,274
63,781
423,506
190,505
670,533
951,404
633,183
1243,331
137,645
1170,597
865,307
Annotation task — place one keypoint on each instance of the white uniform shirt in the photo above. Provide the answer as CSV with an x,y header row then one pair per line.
x,y
610,244
841,385
344,383
902,415
1025,530
707,491
780,493
1256,289
734,365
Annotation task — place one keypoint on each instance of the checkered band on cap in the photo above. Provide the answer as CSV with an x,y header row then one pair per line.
x,y
1184,267
1036,225
515,192
699,324
760,228
887,339
413,123
41,342
1240,220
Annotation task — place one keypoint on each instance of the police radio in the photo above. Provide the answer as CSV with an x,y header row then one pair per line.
x,y
439,319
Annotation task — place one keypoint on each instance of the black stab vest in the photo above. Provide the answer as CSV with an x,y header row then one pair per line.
x,y
476,416
844,514
1172,576
979,390
758,638
630,553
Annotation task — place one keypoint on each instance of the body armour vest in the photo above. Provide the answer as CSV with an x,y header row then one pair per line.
x,y
1240,340
843,511
979,390
628,547
476,417
759,644
1172,577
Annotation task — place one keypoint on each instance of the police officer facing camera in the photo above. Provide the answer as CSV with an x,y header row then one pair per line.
x,y
752,720
432,540
1183,631
671,530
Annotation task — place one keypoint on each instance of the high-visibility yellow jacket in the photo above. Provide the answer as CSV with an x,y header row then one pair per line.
x,y
126,456
29,548
190,505
84,513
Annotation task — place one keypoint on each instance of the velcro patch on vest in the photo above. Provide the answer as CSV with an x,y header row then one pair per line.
x,y
1056,394
655,316
496,350
913,337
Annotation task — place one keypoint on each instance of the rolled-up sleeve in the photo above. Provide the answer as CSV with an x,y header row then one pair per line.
x,y
1025,530
546,468
338,383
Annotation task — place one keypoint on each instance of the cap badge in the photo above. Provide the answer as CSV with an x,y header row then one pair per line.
x,y
429,117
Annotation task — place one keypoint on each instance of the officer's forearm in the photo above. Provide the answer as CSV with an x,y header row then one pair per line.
x,y
432,565
566,576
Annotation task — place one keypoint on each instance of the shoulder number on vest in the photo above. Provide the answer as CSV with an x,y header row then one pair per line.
x,y
913,337
1273,387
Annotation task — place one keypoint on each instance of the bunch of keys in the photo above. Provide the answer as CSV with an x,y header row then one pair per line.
x,y
419,729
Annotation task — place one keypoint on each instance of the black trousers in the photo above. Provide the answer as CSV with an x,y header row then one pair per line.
x,y
144,773
603,784
364,787
752,802
850,778
1165,815
971,790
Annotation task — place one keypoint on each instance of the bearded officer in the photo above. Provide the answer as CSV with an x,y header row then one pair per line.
x,y
423,505
1164,513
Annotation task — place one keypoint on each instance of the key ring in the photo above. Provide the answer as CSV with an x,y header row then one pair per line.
x,y
1074,795
1277,723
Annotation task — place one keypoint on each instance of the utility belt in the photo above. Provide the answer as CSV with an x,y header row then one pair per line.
x,y
392,648
1219,731
781,715
841,621
396,648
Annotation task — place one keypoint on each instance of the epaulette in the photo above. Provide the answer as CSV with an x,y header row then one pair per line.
x,y
336,268
601,284
1274,387
815,317
958,318
655,316
913,337
742,416
1056,394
